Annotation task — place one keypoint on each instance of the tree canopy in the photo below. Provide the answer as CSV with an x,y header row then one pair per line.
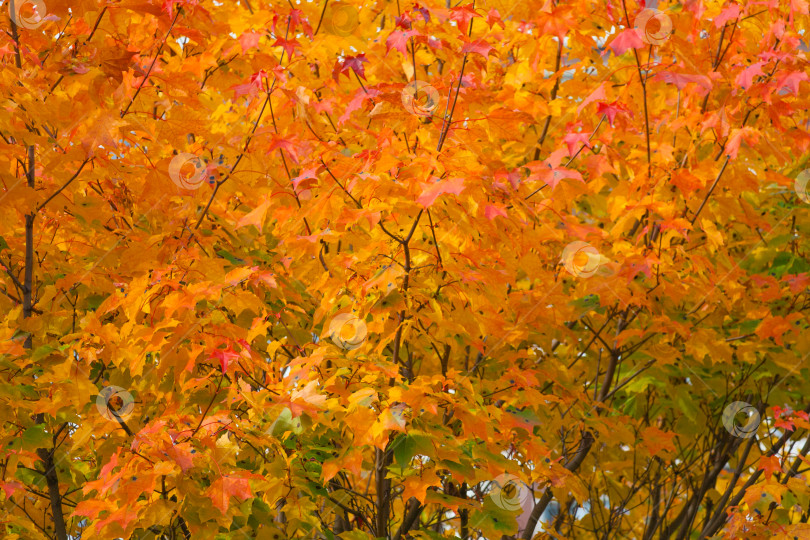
x,y
367,269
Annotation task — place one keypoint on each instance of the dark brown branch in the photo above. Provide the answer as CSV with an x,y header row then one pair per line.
x,y
152,65
66,184
346,191
711,189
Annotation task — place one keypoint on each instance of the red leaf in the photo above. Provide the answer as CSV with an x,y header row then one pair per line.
x,y
749,134
10,487
610,110
492,211
513,177
553,176
356,64
596,95
248,40
791,81
746,76
628,39
357,101
575,141
462,15
680,80
288,45
478,46
432,191
309,172
798,282
287,145
731,12
225,356
493,18
296,20
399,40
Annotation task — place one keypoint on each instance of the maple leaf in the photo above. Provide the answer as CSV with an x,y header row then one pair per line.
x,y
680,80
417,486
492,211
251,88
656,441
404,21
769,464
611,110
225,487
102,131
797,282
287,144
354,63
10,487
554,22
729,13
477,46
225,357
431,191
113,63
627,39
289,45
310,172
462,16
494,17
308,399
745,78
256,216
513,177
553,175
575,141
686,181
596,95
249,40
297,19
791,81
774,327
749,134
168,5
421,10
398,40
180,454
356,102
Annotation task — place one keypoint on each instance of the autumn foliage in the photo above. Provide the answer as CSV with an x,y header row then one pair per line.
x,y
373,269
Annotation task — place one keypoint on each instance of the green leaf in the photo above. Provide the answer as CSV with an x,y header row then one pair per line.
x,y
685,402
41,352
95,300
35,437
